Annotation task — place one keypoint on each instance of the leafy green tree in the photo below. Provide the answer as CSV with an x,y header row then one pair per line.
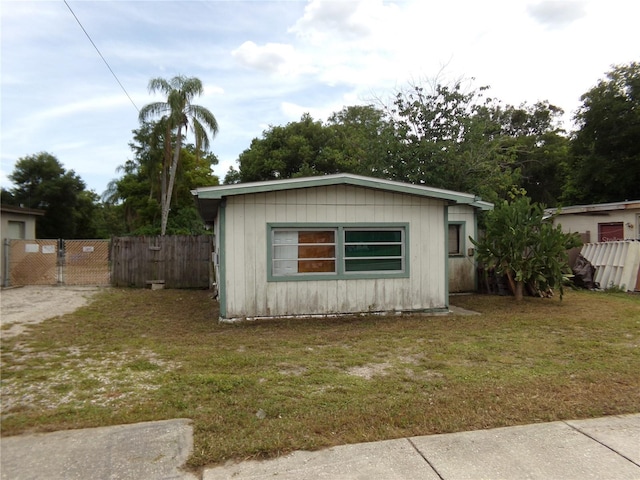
x,y
41,182
178,114
539,146
135,197
451,141
525,247
606,146
358,139
363,140
296,149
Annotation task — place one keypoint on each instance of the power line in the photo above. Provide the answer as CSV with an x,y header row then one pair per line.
x,y
102,57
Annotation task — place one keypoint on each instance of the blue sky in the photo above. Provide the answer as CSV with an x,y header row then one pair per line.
x,y
267,62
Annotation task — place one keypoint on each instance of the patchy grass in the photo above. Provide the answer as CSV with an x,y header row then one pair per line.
x,y
264,388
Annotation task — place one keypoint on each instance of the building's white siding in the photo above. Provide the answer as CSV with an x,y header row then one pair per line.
x,y
462,268
587,223
249,294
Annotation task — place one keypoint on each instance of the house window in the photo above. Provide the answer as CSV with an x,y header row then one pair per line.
x,y
304,251
456,239
373,250
610,232
337,252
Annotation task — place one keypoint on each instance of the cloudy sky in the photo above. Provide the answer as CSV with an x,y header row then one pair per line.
x,y
266,62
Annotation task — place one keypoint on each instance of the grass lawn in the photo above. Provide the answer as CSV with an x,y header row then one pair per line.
x,y
264,388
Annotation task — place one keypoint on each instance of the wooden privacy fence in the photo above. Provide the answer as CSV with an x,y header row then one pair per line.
x,y
175,261
56,262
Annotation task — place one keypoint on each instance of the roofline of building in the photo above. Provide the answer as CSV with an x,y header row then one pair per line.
x,y
220,191
594,208
21,210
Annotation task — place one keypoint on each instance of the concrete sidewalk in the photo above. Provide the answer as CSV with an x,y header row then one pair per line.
x,y
602,448
151,450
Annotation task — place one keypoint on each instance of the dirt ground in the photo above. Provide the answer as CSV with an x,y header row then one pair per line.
x,y
24,306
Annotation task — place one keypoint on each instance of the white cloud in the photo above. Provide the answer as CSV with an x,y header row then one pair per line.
x,y
329,20
267,58
91,105
557,13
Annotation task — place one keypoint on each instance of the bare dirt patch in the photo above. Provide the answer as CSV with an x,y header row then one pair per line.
x,y
30,305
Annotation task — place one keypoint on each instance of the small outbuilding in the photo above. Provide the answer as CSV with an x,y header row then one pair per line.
x,y
337,244
601,222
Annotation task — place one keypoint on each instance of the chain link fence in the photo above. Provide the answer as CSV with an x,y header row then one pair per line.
x,y
56,262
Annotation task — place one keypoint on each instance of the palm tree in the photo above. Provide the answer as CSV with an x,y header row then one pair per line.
x,y
179,115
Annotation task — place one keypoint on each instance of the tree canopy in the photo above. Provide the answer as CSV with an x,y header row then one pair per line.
x,y
447,136
137,195
606,146
437,135
42,182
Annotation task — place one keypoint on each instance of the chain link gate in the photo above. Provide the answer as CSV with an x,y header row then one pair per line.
x,y
56,262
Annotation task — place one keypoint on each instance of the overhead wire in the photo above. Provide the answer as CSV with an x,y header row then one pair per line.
x,y
101,56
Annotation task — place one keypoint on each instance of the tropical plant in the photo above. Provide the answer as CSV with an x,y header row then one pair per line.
x,y
521,243
178,115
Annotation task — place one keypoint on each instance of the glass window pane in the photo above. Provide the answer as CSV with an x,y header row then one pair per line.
x,y
454,239
372,236
285,251
316,266
285,237
317,251
316,237
373,251
372,265
285,267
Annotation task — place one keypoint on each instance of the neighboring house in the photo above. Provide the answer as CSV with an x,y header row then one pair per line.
x,y
17,223
604,222
610,232
335,244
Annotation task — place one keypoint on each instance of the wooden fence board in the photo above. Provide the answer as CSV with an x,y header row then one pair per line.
x,y
180,261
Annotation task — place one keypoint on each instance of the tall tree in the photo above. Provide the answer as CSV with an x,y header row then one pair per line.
x,y
296,149
540,147
450,139
606,146
364,140
178,115
42,182
136,195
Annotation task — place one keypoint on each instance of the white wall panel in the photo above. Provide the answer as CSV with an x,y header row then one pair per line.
x,y
249,294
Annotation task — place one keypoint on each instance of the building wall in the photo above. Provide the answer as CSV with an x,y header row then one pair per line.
x,y
15,226
29,222
247,293
462,268
588,222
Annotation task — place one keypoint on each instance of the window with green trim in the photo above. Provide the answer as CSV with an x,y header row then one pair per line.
x,y
337,251
456,239
303,251
373,250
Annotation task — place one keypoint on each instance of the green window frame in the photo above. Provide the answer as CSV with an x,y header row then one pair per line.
x,y
303,251
298,252
373,250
